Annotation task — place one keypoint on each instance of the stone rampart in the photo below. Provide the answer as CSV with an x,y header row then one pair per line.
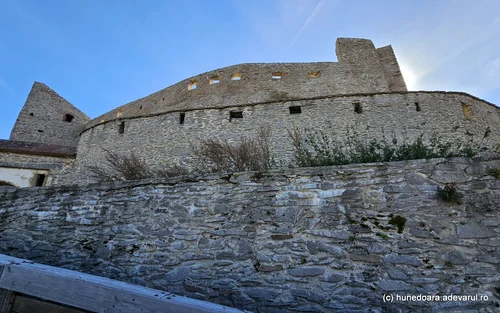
x,y
303,240
161,139
361,69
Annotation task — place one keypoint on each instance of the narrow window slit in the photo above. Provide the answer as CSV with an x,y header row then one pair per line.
x,y
277,75
182,117
235,114
357,108
467,109
192,85
236,76
214,80
121,128
295,110
417,107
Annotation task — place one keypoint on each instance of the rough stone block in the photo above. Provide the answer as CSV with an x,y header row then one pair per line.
x,y
393,285
402,259
306,271
473,231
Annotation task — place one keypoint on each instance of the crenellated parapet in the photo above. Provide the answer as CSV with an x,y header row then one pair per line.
x,y
361,69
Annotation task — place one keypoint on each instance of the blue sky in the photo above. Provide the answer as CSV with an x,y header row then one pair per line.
x,y
102,54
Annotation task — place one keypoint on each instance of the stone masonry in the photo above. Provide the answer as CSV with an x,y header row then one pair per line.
x,y
161,140
48,118
301,240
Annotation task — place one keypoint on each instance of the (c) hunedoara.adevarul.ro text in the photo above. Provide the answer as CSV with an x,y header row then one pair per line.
x,y
389,297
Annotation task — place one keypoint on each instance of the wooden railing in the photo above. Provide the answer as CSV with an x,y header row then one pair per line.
x,y
30,287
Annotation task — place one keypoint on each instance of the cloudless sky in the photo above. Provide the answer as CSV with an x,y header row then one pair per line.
x,y
100,54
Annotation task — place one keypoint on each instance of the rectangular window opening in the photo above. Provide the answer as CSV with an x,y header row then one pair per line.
x,y
313,74
214,80
236,76
357,108
68,118
182,117
277,75
192,85
295,110
235,114
417,107
121,128
40,180
467,109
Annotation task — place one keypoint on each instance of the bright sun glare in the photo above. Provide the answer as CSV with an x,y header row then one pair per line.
x,y
409,76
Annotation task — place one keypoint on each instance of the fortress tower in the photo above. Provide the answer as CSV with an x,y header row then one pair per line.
x,y
48,118
43,140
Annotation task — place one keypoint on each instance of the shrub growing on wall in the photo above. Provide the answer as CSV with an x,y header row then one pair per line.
x,y
130,167
249,154
315,147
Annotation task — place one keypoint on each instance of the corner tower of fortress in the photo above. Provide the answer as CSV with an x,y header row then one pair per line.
x,y
48,118
362,53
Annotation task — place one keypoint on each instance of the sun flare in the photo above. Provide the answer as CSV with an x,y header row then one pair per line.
x,y
409,76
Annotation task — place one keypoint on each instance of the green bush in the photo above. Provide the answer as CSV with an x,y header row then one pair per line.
x,y
314,147
449,194
495,172
398,221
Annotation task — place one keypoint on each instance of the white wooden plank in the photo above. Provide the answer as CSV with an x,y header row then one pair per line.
x,y
94,293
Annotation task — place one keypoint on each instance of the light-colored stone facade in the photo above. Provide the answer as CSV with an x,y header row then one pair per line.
x,y
301,240
161,140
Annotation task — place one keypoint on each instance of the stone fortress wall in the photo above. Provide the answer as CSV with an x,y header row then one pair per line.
x,y
300,240
161,127
161,140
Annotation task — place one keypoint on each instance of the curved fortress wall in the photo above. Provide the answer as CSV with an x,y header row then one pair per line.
x,y
360,70
235,101
161,139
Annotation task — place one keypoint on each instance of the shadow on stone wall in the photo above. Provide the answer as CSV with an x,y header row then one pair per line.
x,y
302,240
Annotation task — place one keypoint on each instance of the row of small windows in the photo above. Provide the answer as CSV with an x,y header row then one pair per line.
x,y
239,114
192,84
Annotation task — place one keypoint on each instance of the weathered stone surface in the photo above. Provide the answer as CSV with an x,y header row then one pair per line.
x,y
153,233
418,179
270,268
473,231
179,273
393,285
455,257
306,271
339,234
263,293
444,176
402,259
365,258
395,273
